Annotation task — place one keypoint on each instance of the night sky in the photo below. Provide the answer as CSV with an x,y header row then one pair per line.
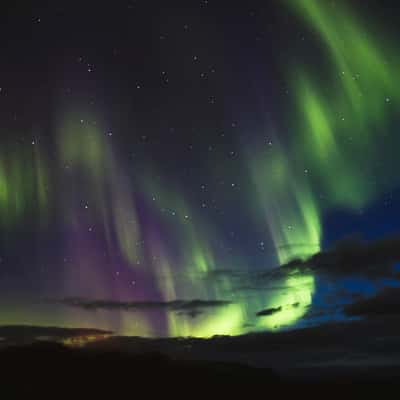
x,y
160,160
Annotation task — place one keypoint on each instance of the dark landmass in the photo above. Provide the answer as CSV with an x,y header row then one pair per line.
x,y
341,356
51,369
44,367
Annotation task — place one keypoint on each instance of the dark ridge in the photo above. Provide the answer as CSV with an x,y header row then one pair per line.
x,y
50,370
43,364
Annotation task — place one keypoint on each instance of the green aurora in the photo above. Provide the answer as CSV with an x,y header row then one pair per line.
x,y
336,131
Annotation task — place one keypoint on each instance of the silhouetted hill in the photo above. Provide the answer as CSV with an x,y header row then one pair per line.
x,y
333,359
51,370
42,365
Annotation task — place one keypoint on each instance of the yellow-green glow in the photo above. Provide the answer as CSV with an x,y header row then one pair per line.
x,y
290,207
136,325
23,185
292,302
3,187
322,146
226,321
364,63
342,112
317,117
82,145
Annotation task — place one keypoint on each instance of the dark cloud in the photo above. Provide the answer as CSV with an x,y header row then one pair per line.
x,y
274,310
27,330
269,311
191,313
386,302
188,306
29,334
353,256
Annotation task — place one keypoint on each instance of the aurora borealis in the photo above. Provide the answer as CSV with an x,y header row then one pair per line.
x,y
156,174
